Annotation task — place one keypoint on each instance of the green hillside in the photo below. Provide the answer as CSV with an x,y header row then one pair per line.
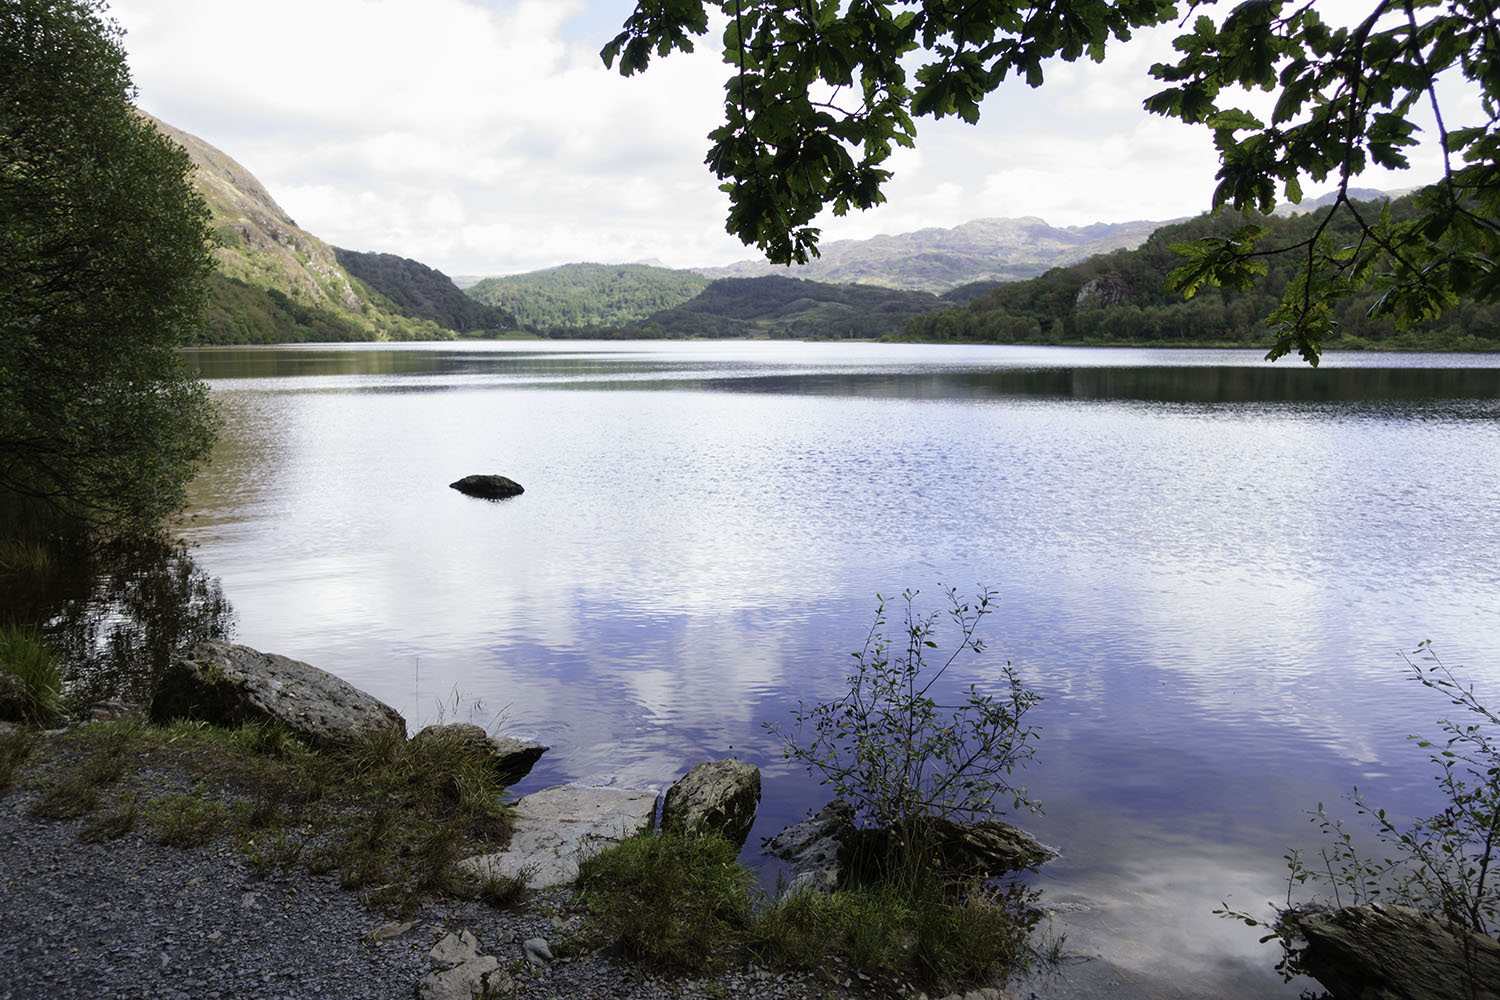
x,y
1121,298
588,295
789,307
422,291
277,282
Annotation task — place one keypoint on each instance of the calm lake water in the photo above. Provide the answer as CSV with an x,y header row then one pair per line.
x,y
1206,564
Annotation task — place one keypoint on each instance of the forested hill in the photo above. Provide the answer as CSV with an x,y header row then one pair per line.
x,y
588,295
275,281
938,260
1121,298
789,307
422,291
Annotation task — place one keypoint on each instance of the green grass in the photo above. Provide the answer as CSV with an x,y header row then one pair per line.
x,y
675,901
683,903
392,817
23,654
15,748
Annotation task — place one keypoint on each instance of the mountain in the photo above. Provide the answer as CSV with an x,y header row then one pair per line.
x,y
277,282
937,260
1122,298
774,306
423,291
588,295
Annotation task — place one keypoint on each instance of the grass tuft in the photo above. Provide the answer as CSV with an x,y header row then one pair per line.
x,y
675,901
15,747
186,820
23,654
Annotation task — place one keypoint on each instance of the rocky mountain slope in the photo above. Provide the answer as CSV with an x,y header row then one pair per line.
x,y
276,281
937,260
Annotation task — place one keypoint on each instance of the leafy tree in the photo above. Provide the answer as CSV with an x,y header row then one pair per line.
x,y
103,261
820,92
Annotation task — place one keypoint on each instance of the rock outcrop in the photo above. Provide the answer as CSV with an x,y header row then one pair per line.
x,y
552,830
510,759
828,849
232,685
1387,952
488,487
717,797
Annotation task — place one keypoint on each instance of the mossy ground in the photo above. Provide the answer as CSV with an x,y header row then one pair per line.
x,y
391,817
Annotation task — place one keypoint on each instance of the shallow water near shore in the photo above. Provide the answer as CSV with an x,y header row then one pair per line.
x,y
1206,564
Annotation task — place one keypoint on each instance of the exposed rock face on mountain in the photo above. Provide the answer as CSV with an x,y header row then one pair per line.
x,y
276,281
936,260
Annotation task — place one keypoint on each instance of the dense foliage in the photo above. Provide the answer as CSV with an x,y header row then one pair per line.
x,y
820,92
103,260
789,307
588,295
422,291
1123,297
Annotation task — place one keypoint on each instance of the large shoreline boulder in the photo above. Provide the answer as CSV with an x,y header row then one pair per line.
x,y
1382,951
231,685
717,797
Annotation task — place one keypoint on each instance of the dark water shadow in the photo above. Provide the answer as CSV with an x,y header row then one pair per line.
x,y
116,618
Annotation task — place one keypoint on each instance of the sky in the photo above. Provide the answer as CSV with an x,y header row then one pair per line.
x,y
486,137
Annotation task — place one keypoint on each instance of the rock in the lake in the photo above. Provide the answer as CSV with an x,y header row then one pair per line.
x,y
552,830
812,847
985,849
1387,952
717,797
829,849
488,487
232,685
510,759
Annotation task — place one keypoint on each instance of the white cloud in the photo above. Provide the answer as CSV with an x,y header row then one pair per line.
x,y
484,136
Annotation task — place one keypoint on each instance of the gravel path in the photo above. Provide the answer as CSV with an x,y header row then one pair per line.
x,y
132,919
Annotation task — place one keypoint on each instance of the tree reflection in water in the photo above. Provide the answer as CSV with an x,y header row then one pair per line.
x,y
116,617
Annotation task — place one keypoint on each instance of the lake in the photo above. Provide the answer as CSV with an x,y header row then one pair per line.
x,y
1208,566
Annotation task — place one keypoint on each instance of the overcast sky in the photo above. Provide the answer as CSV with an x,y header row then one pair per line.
x,y
486,137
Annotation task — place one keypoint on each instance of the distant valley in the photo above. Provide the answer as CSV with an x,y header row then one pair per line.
x,y
986,281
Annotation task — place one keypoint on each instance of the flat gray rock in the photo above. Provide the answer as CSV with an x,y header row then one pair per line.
x,y
556,828
232,685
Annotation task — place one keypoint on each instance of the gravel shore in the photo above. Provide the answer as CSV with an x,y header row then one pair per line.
x,y
132,919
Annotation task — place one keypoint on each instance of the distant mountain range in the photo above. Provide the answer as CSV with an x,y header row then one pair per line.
x,y
938,260
978,281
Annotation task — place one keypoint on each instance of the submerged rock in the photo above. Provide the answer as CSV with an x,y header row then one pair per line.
x,y
510,759
1387,952
232,685
488,487
717,797
552,830
828,849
